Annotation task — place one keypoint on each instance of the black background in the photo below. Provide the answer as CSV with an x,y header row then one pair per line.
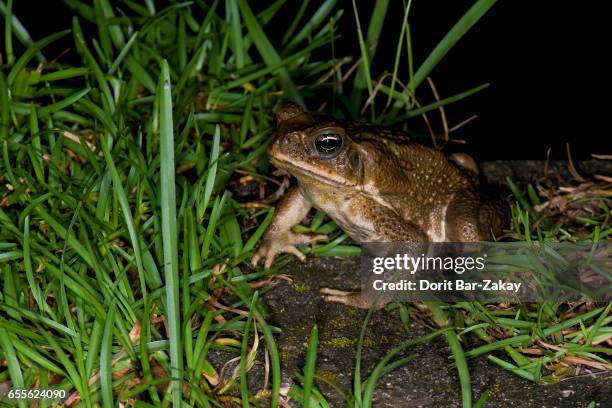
x,y
545,61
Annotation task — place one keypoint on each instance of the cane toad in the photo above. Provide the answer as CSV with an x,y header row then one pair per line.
x,y
375,183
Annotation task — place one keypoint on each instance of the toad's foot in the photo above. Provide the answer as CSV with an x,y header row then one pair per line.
x,y
284,243
354,299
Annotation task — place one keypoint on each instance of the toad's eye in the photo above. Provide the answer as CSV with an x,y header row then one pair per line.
x,y
328,144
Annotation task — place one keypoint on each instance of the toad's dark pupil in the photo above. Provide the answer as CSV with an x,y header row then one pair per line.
x,y
328,143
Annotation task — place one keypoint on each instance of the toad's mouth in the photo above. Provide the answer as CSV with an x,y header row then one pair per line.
x,y
300,172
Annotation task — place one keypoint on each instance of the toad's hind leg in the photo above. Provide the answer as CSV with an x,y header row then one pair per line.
x,y
354,299
493,217
470,220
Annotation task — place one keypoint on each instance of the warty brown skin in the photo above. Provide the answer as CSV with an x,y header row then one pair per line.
x,y
376,184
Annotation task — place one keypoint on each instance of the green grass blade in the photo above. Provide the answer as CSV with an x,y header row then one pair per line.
x,y
357,378
363,79
20,32
64,74
211,226
106,359
267,51
451,38
127,213
123,53
236,34
379,369
244,354
486,348
182,43
549,331
598,324
309,368
140,73
212,170
410,60
462,368
169,230
86,10
512,368
36,152
30,53
66,361
482,400
12,362
434,105
295,22
274,356
316,20
230,233
8,33
261,229
4,111
246,119
61,231
108,102
398,50
27,260
114,30
364,67
34,355
103,34
68,101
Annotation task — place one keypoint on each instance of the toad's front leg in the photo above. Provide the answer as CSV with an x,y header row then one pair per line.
x,y
279,238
